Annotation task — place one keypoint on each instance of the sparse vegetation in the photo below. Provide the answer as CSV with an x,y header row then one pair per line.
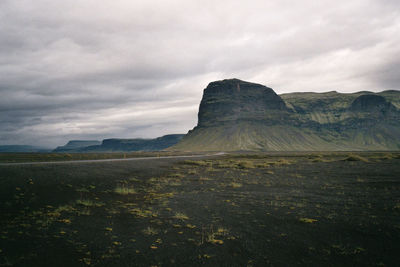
x,y
219,207
245,164
354,157
176,175
150,231
235,185
124,189
89,203
181,216
213,237
197,162
308,220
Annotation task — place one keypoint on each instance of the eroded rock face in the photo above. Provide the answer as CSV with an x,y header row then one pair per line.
x,y
233,99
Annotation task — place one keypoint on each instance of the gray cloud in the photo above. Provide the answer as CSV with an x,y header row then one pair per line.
x,y
92,69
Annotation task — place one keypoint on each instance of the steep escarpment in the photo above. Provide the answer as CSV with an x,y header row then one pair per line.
x,y
238,115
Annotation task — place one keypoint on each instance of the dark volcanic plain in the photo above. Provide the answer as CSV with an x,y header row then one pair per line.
x,y
258,209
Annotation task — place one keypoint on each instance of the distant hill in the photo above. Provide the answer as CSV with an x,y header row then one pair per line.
x,y
22,148
76,145
121,145
239,115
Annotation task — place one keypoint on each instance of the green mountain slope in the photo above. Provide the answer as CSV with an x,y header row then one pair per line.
x,y
237,115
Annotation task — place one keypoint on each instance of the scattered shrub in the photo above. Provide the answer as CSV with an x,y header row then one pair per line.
x,y
353,157
176,175
308,220
181,216
124,190
150,231
235,185
245,165
197,162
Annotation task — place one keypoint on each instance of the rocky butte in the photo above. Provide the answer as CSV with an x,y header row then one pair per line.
x,y
238,115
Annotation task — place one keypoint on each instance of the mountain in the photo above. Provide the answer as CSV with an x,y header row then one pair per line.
x,y
239,115
74,145
235,100
22,148
123,145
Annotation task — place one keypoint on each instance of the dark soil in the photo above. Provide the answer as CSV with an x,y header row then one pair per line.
x,y
326,209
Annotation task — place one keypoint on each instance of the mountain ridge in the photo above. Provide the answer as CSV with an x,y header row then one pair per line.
x,y
230,119
73,145
121,145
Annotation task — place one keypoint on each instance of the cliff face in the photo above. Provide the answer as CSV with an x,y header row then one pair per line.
x,y
233,100
238,115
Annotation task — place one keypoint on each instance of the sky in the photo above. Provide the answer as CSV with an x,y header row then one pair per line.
x,y
95,69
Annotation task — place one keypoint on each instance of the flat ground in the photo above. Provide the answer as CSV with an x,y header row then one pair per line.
x,y
309,209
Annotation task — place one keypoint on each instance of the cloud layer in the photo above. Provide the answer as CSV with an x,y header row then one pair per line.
x,y
96,69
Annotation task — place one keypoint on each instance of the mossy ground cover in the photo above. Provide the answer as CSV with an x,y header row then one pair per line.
x,y
257,209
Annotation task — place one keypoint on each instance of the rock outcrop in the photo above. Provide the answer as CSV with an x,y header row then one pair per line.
x,y
233,100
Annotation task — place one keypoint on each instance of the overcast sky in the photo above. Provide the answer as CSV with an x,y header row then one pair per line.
x,y
94,69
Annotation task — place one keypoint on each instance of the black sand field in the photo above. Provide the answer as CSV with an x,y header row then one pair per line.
x,y
288,209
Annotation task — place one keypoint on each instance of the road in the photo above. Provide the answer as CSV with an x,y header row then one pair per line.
x,y
107,160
